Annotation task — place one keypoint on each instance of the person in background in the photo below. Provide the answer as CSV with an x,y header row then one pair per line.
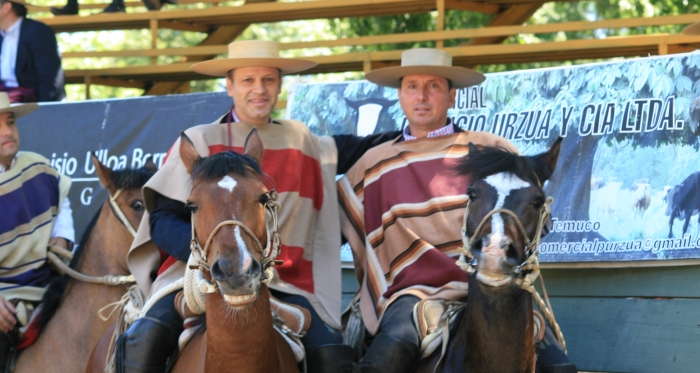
x,y
30,63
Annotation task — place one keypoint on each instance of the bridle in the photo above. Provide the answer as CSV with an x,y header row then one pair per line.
x,y
119,213
198,259
528,271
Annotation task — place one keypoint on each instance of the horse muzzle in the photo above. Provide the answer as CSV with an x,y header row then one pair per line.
x,y
239,286
496,259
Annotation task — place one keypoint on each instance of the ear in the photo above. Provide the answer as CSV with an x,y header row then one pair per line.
x,y
472,148
551,156
104,173
150,166
253,146
188,153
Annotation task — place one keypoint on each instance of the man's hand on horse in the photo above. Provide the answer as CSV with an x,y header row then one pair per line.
x,y
7,315
60,242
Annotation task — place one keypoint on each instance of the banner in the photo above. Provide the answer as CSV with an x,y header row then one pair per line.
x,y
124,133
627,184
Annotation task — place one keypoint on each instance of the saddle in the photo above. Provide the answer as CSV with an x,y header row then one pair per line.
x,y
433,318
290,320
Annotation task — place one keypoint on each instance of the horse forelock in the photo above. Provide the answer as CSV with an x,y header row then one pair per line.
x,y
491,160
222,164
131,178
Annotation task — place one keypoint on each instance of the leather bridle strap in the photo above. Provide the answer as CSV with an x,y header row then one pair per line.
x,y
119,213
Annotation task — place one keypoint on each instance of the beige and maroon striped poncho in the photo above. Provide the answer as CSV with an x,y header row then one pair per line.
x,y
402,211
303,167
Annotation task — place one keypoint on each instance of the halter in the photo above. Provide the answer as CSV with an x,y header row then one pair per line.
x,y
530,264
119,213
269,253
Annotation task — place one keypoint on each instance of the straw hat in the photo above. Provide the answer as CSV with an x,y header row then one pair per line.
x,y
19,110
252,53
426,61
693,29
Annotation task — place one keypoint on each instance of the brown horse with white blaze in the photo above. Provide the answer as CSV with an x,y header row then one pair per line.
x,y
71,325
228,201
503,221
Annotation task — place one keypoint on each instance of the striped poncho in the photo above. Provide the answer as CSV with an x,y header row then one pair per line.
x,y
31,193
402,211
303,167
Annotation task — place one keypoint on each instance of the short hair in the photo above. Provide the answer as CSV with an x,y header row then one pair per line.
x,y
19,9
449,82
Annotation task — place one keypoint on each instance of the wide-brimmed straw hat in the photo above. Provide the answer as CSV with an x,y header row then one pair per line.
x,y
252,53
19,110
693,29
425,61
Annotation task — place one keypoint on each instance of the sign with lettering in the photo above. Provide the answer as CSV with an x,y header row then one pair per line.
x,y
627,185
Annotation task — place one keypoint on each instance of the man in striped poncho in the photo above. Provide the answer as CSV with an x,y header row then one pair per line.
x,y
34,213
302,167
403,207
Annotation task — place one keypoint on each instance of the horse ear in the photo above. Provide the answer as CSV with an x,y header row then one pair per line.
x,y
253,146
150,166
551,156
473,148
188,153
104,173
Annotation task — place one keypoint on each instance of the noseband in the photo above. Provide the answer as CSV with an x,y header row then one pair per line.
x,y
198,259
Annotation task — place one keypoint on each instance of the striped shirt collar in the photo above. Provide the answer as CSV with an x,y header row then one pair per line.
x,y
449,129
236,119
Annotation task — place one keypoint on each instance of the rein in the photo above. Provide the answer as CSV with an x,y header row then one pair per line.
x,y
528,271
198,259
110,280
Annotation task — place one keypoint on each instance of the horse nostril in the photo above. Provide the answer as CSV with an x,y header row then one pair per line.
x,y
512,253
221,269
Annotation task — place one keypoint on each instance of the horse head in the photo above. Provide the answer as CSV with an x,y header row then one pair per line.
x,y
504,211
124,188
228,201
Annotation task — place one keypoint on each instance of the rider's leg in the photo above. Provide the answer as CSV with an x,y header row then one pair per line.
x,y
550,356
6,346
146,346
395,348
324,351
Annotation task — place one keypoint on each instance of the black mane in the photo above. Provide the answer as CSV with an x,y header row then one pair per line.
x,y
484,161
124,179
221,164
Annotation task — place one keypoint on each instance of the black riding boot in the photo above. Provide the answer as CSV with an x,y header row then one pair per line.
x,y
71,8
146,346
550,356
7,346
330,359
388,355
115,7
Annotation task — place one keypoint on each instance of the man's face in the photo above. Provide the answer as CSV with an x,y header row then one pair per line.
x,y
9,138
425,100
254,91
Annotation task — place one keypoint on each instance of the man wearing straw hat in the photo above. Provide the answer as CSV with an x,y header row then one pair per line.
x,y
303,167
35,214
406,244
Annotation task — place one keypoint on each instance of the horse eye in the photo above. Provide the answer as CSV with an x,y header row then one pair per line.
x,y
538,202
137,205
265,198
471,194
191,206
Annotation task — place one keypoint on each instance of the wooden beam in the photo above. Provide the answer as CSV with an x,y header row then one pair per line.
x,y
472,6
183,26
440,4
514,15
112,82
210,50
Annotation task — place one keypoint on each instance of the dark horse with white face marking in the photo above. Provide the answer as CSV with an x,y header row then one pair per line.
x,y
496,331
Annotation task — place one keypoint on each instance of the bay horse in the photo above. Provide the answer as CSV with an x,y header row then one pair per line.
x,y
239,335
69,311
503,220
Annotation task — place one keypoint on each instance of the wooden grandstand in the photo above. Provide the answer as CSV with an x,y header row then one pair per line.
x,y
224,23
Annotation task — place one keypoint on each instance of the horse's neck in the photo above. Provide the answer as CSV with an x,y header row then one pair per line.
x,y
498,330
246,338
77,317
